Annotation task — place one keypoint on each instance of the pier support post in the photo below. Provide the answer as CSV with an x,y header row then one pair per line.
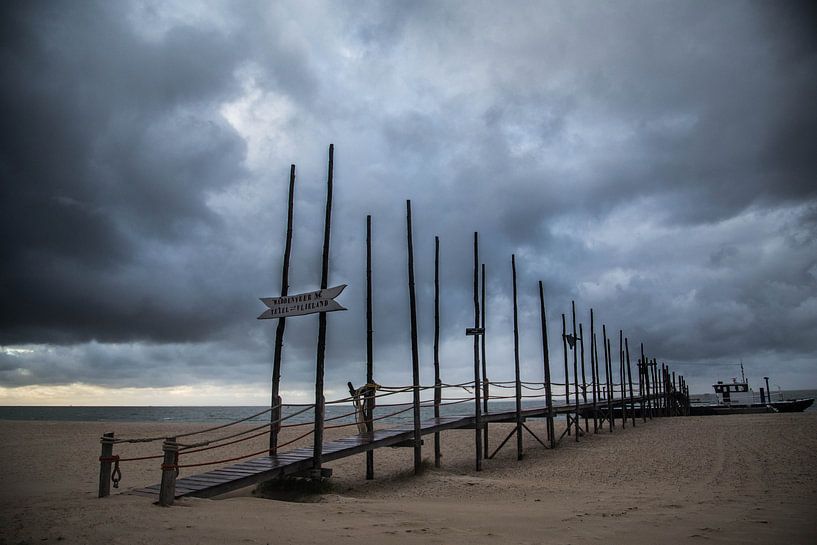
x,y
369,403
167,490
546,356
437,382
105,464
477,407
415,358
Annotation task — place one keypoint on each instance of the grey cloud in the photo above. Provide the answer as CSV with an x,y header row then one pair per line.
x,y
652,162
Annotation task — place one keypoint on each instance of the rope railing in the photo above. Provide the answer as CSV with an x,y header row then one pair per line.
x,y
606,391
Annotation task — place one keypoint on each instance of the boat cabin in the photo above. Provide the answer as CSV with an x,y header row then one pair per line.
x,y
725,392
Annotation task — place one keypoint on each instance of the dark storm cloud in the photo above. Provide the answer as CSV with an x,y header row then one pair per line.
x,y
110,146
651,161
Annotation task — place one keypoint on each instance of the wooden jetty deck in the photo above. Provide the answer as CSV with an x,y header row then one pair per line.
x,y
300,460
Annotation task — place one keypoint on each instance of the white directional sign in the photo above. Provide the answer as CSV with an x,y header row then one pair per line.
x,y
304,303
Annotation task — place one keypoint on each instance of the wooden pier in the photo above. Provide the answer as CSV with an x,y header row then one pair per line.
x,y
608,397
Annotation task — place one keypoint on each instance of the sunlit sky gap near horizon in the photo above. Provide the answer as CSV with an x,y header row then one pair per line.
x,y
651,160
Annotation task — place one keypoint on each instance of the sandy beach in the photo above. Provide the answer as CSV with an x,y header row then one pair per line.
x,y
721,479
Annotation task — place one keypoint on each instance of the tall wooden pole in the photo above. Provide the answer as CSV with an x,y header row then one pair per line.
x,y
594,372
477,408
485,384
622,379
612,385
575,369
415,357
607,375
584,375
275,400
519,447
370,392
642,365
317,449
630,380
567,375
437,382
546,358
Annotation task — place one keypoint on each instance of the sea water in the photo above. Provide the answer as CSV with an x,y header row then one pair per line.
x,y
339,412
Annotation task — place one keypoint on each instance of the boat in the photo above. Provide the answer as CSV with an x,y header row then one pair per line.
x,y
737,397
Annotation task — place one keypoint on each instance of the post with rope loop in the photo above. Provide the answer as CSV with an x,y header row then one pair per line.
x,y
170,470
105,459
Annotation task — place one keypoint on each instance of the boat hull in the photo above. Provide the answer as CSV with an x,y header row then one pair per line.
x,y
788,406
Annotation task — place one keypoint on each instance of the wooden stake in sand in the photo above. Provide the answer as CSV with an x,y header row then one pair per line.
x,y
519,453
593,373
485,383
630,380
105,458
317,449
275,400
477,408
415,358
370,389
567,376
546,358
437,381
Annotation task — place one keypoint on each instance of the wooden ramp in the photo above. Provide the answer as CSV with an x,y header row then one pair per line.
x,y
297,461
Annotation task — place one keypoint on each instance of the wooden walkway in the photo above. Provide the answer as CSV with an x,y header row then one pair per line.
x,y
299,461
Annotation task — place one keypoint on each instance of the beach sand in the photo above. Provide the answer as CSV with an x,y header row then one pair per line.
x,y
717,479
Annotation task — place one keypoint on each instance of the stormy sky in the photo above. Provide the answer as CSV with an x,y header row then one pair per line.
x,y
653,160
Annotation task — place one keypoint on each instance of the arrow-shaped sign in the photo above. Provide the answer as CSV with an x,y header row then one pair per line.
x,y
303,303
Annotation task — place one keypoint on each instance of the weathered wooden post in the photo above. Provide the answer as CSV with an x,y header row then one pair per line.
x,y
608,379
485,382
275,399
546,358
477,408
415,357
584,376
317,448
105,460
167,489
437,382
517,374
575,370
630,380
370,389
622,379
594,372
567,376
611,387
654,386
642,386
